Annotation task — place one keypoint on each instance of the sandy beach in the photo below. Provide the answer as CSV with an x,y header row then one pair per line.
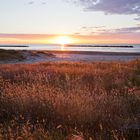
x,y
70,56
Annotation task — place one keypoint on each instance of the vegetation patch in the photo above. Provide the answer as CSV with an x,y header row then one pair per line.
x,y
10,55
70,101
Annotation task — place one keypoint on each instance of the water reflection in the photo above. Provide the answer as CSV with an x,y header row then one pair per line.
x,y
62,47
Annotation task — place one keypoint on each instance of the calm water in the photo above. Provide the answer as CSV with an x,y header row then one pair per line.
x,y
92,49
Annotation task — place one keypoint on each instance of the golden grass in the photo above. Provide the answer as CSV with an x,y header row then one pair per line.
x,y
52,101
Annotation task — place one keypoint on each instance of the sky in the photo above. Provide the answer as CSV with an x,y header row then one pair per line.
x,y
83,21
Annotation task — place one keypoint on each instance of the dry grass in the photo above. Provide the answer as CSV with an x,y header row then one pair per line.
x,y
72,101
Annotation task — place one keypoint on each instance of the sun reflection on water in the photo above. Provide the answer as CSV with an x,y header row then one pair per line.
x,y
62,47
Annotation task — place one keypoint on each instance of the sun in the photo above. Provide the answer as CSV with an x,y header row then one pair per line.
x,y
63,40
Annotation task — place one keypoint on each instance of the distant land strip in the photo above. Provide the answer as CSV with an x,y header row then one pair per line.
x,y
17,46
104,46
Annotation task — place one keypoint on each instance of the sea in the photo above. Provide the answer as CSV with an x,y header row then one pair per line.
x,y
76,57
135,49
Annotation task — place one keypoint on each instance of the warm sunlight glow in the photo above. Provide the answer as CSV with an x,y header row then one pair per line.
x,y
63,40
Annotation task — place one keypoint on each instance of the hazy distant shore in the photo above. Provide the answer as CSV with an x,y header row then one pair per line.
x,y
94,46
103,46
7,46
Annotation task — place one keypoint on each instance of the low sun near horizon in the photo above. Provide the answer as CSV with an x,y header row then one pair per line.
x,y
69,21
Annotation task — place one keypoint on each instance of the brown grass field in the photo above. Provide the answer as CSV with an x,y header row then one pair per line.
x,y
70,101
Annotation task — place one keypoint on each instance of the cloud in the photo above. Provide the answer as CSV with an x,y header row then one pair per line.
x,y
112,6
76,33
96,27
138,18
129,29
124,31
43,3
31,2
102,30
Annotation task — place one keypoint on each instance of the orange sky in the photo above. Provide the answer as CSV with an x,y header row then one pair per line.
x,y
72,39
84,21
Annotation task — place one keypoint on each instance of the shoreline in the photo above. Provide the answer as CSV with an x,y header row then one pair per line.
x,y
93,52
76,52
